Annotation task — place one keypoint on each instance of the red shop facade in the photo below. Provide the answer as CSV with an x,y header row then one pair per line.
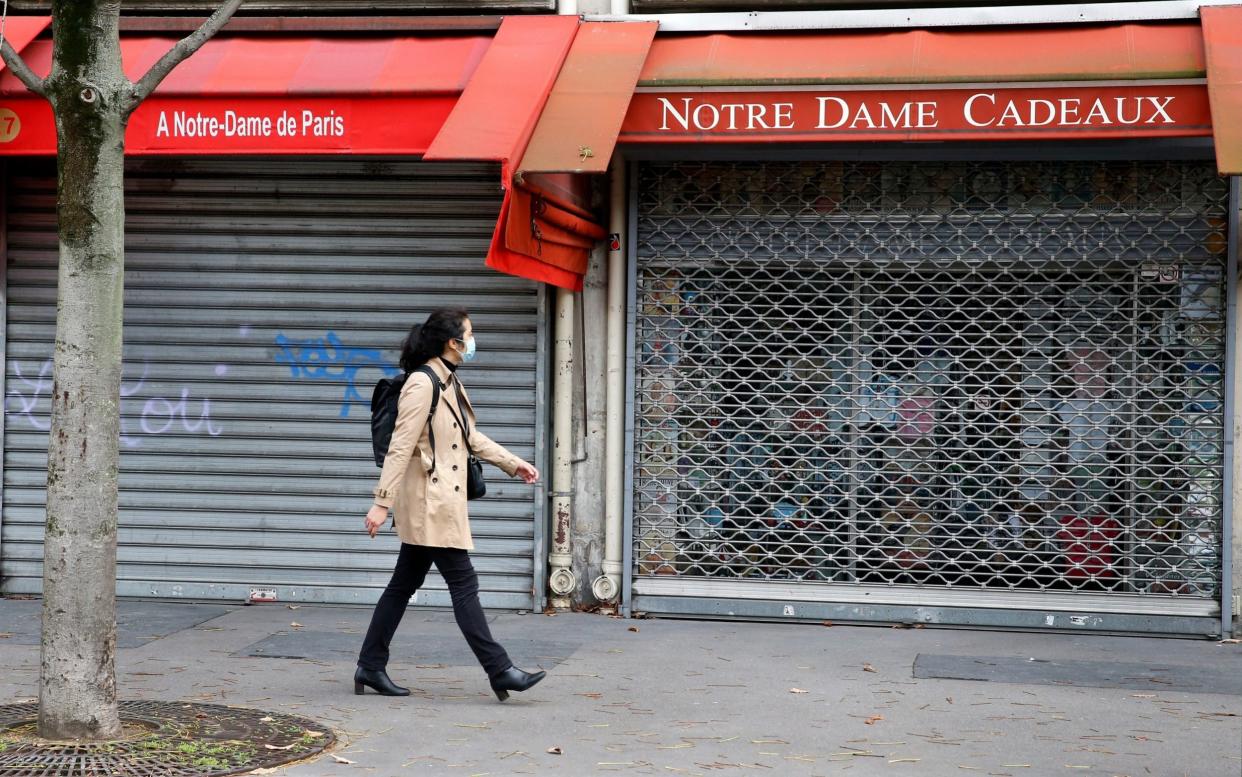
x,y
935,325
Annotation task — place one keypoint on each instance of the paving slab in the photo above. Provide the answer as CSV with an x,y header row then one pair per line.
x,y
137,621
1093,674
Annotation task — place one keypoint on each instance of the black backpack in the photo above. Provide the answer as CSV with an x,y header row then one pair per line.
x,y
384,410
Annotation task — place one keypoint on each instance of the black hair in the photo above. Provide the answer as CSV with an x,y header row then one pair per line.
x,y
426,341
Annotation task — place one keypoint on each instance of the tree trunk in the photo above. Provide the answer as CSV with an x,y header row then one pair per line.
x,y
88,91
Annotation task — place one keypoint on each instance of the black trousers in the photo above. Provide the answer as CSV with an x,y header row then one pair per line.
x,y
412,566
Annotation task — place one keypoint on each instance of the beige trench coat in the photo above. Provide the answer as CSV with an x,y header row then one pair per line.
x,y
429,508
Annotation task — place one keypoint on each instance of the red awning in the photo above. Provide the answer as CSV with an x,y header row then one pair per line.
x,y
578,128
19,31
1222,34
497,112
940,56
546,230
241,95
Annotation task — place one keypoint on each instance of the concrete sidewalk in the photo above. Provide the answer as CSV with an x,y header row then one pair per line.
x,y
683,697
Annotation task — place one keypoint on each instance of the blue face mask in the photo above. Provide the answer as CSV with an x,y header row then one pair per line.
x,y
468,354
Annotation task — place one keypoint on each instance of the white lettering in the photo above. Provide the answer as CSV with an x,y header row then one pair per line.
x,y
1010,114
681,118
1050,117
712,112
1160,104
823,110
1121,111
862,114
898,119
330,126
246,126
1097,110
1070,106
783,115
927,115
755,120
161,130
970,110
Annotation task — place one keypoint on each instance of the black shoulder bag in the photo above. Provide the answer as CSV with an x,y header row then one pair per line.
x,y
476,487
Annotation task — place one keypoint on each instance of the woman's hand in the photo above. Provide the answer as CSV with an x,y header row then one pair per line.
x,y
527,473
375,519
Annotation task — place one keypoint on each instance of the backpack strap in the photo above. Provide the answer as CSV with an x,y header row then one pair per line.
x,y
436,387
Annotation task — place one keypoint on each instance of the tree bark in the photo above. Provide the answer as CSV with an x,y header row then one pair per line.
x,y
92,100
89,94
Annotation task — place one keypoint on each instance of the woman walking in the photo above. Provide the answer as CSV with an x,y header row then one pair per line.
x,y
424,482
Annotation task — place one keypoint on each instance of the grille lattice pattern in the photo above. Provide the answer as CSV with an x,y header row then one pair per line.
x,y
971,375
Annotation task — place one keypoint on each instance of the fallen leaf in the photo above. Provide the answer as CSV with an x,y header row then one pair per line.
x,y
268,719
296,625
797,690
313,734
1231,641
871,721
634,629
827,624
340,760
868,668
555,750
280,747
294,606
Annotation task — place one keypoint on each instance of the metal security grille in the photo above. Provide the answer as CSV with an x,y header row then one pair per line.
x,y
264,299
950,376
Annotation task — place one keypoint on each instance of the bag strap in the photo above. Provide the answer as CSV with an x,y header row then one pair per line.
x,y
436,386
461,419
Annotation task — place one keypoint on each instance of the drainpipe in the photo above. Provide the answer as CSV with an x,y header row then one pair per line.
x,y
561,577
607,586
620,7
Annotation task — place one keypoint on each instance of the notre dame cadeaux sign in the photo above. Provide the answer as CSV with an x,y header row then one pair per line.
x,y
1028,112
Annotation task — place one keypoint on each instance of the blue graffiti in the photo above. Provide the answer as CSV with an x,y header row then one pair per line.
x,y
327,359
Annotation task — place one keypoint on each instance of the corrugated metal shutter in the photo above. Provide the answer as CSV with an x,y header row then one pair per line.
x,y
977,393
264,298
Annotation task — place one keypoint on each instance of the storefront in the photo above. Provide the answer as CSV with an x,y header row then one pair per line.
x,y
283,234
978,372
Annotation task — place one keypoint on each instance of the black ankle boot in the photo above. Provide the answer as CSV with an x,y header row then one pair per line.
x,y
514,679
379,681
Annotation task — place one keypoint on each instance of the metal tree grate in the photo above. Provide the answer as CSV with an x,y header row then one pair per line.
x,y
977,376
182,740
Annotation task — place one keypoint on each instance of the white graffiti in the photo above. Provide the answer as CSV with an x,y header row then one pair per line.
x,y
29,399
160,415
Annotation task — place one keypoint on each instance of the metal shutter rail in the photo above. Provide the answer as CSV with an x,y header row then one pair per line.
x,y
978,393
263,301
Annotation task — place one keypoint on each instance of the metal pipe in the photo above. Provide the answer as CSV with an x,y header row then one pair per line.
x,y
608,585
620,7
906,18
567,7
561,577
